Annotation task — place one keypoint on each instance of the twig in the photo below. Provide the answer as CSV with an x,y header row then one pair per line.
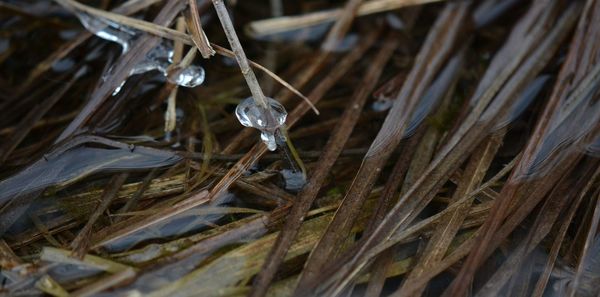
x,y
240,56
194,25
304,77
283,24
170,113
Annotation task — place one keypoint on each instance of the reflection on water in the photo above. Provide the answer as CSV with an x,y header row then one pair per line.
x,y
525,100
60,168
192,220
573,128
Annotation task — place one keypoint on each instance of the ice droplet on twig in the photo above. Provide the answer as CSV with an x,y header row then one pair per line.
x,y
159,58
188,77
108,30
251,115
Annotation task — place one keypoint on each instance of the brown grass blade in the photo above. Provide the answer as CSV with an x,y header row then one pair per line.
x,y
194,25
447,28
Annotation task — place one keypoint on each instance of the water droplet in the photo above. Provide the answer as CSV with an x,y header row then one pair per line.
x,y
251,115
159,58
188,77
269,139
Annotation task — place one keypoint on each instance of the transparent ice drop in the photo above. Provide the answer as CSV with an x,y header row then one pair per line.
x,y
188,77
108,30
251,115
159,58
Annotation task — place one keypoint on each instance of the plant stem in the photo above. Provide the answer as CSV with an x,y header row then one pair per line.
x,y
255,89
240,56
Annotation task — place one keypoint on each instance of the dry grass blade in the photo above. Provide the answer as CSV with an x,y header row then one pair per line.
x,y
105,283
447,29
450,156
460,284
194,26
81,243
28,122
283,24
127,8
342,25
547,217
591,237
227,53
450,224
542,282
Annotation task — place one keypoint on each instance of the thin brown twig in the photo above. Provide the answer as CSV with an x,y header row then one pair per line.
x,y
288,23
194,25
